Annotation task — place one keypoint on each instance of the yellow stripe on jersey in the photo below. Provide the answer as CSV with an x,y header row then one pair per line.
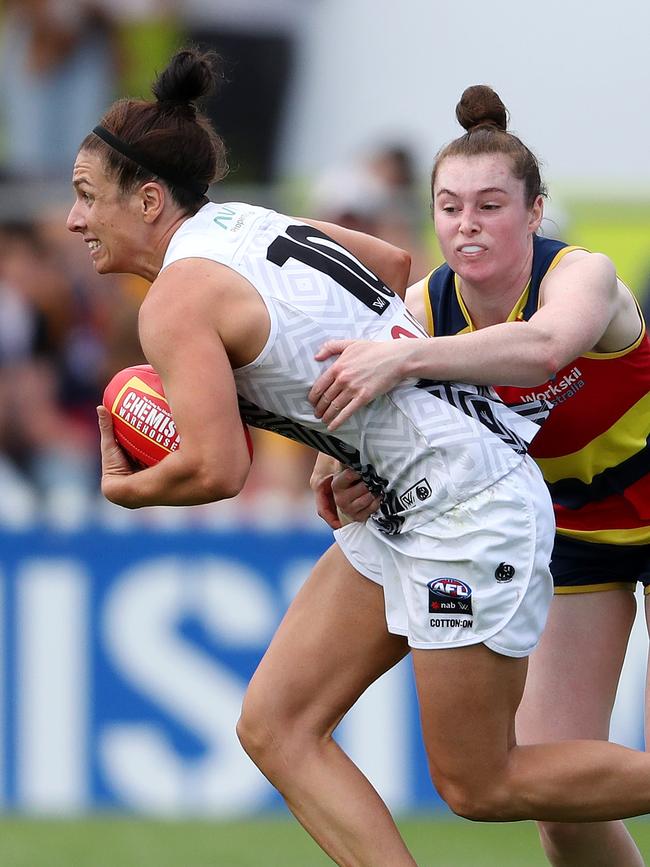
x,y
515,314
463,308
625,438
595,588
621,352
562,253
634,536
427,304
632,346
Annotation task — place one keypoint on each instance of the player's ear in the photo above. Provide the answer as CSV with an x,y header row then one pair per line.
x,y
536,214
152,199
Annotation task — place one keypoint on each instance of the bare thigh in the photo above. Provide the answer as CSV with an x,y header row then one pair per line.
x,y
574,672
468,697
331,645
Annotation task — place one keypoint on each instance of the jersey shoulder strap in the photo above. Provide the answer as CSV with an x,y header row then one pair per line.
x,y
444,312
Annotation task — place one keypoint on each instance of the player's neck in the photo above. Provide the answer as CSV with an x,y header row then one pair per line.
x,y
491,302
153,255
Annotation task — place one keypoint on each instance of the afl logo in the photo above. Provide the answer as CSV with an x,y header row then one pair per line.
x,y
450,587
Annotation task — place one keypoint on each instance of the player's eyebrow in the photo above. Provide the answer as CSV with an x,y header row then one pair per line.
x,y
445,191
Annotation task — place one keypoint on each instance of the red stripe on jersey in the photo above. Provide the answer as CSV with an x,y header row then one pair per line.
x,y
589,395
638,495
612,513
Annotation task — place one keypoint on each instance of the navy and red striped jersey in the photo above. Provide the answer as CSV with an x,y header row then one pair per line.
x,y
594,449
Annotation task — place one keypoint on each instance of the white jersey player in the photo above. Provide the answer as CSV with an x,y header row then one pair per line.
x,y
240,301
427,448
424,449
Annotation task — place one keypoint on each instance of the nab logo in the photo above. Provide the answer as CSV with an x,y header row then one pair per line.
x,y
451,587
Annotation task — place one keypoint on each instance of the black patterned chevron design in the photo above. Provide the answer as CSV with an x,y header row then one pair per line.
x,y
387,519
287,427
484,406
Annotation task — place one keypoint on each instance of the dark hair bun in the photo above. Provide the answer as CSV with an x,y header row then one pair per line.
x,y
189,75
479,106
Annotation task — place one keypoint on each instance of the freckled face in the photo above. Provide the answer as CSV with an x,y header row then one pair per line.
x,y
483,224
107,219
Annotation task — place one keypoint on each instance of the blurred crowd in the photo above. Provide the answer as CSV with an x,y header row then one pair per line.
x,y
63,330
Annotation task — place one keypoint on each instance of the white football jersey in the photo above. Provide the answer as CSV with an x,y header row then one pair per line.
x,y
425,446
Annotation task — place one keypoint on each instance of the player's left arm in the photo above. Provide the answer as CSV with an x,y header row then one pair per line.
x,y
181,340
581,299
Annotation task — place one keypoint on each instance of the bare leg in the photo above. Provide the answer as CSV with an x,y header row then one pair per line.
x,y
332,644
570,692
468,699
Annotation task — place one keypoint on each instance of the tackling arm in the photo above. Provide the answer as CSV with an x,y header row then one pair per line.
x,y
582,298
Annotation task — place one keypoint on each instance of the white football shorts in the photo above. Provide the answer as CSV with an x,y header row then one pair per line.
x,y
479,573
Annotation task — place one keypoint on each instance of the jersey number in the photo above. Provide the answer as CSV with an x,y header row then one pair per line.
x,y
315,249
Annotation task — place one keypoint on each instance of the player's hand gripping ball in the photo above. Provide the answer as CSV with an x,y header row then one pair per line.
x,y
142,420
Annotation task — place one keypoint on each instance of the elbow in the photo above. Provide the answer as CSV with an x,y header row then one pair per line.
x,y
222,489
548,365
543,364
396,273
403,269
219,483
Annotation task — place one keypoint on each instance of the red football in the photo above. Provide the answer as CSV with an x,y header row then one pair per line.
x,y
142,420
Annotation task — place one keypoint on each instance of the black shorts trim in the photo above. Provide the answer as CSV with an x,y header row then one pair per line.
x,y
584,567
575,494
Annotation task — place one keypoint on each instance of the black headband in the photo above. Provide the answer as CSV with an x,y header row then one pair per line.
x,y
135,154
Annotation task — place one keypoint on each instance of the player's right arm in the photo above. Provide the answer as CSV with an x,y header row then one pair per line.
x,y
181,340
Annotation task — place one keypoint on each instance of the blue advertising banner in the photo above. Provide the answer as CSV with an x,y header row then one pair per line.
x,y
125,656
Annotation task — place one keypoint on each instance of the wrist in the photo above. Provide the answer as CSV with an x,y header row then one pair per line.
x,y
410,363
344,518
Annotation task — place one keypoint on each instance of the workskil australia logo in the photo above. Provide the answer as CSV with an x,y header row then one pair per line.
x,y
559,390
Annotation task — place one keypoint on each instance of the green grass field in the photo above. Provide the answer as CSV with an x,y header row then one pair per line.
x,y
126,842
